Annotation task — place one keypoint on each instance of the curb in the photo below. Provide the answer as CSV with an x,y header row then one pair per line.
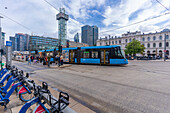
x,y
63,66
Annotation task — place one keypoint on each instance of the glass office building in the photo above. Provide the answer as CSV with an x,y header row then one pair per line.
x,y
11,38
42,43
89,34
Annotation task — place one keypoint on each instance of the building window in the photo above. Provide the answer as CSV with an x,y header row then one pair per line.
x,y
130,40
154,44
154,37
112,42
149,38
148,52
167,44
106,43
148,45
116,42
143,45
143,39
100,43
160,37
167,36
160,44
119,41
126,40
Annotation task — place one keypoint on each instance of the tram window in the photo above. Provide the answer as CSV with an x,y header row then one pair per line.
x,y
85,54
94,54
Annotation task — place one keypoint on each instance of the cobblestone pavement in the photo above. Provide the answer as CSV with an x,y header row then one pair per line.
x,y
139,87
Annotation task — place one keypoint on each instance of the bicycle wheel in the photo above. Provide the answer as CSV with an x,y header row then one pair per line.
x,y
25,97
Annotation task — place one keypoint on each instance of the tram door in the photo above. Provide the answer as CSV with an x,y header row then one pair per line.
x,y
78,54
71,56
104,56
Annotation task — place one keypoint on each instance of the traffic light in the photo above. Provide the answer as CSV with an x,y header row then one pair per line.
x,y
60,49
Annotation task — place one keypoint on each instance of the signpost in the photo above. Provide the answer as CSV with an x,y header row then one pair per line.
x,y
8,53
0,43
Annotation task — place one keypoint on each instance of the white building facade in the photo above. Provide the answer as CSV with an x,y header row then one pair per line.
x,y
154,42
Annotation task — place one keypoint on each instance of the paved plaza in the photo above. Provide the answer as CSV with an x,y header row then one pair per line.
x,y
139,87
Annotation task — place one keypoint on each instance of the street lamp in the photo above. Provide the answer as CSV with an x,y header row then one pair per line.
x,y
165,47
0,43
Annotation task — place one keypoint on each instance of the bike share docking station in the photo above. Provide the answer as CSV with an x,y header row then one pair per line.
x,y
8,53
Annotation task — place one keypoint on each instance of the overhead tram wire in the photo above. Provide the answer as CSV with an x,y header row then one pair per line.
x,y
162,5
126,25
57,9
17,22
136,23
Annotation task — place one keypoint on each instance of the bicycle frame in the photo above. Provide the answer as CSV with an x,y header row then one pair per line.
x,y
9,93
39,109
5,78
6,87
3,72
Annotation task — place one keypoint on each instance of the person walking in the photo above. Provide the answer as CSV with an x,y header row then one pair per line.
x,y
22,57
26,59
49,59
29,60
59,62
56,58
61,58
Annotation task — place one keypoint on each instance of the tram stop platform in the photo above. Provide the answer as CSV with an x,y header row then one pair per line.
x,y
15,104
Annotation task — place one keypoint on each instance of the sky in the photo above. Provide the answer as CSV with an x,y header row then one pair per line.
x,y
109,15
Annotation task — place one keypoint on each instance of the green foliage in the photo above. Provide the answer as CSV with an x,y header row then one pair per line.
x,y
134,47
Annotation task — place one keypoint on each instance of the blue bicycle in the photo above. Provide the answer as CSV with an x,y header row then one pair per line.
x,y
4,94
43,96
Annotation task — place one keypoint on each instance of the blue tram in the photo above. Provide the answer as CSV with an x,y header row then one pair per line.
x,y
103,55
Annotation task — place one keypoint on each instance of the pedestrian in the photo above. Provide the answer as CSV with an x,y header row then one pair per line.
x,y
44,61
61,58
26,58
29,60
56,58
49,59
59,63
22,57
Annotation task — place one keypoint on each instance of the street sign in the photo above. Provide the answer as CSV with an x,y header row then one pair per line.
x,y
8,43
8,52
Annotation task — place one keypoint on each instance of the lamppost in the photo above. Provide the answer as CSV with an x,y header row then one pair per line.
x,y
165,48
0,43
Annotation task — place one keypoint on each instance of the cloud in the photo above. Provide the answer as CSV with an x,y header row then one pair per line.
x,y
144,9
40,17
79,8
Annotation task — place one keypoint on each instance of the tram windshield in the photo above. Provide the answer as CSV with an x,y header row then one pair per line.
x,y
117,53
123,53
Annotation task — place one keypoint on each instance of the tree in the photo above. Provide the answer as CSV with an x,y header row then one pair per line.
x,y
134,47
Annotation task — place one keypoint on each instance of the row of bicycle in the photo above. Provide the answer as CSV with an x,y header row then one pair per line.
x,y
13,80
